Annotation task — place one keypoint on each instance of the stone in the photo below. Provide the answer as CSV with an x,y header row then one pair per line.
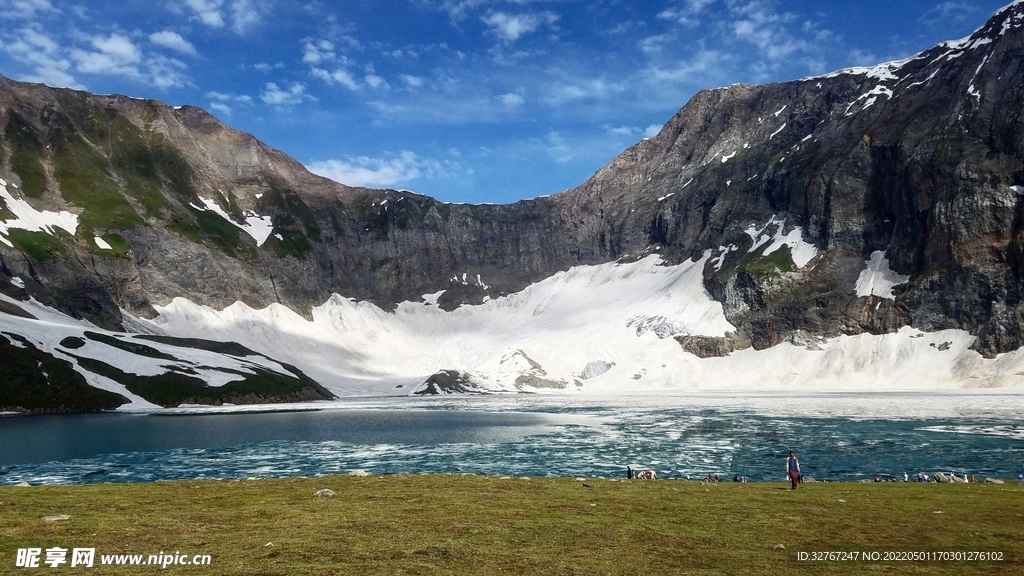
x,y
324,493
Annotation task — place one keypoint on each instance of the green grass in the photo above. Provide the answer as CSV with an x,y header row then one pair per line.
x,y
295,223
224,235
34,380
134,161
119,247
128,345
5,212
181,226
26,155
487,525
85,181
772,265
37,245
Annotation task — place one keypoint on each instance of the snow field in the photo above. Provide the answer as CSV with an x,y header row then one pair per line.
x,y
577,323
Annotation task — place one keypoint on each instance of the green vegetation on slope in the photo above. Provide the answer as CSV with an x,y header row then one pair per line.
x,y
37,245
128,345
487,525
772,265
84,179
26,155
184,386
34,381
119,247
225,235
135,163
295,223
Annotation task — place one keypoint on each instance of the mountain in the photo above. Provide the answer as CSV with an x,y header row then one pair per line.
x,y
861,228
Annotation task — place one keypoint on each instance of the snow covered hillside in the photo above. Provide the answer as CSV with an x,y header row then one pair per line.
x,y
608,328
53,363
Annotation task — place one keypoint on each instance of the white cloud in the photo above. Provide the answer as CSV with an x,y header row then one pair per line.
x,y
317,51
412,81
220,107
687,14
222,101
172,40
388,170
24,9
511,99
267,68
331,67
337,76
114,55
244,14
229,97
275,96
956,11
34,48
374,81
208,11
594,89
652,130
511,27
759,24
653,44
696,70
620,130
456,9
166,72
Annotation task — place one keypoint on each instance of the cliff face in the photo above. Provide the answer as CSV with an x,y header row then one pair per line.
x,y
859,201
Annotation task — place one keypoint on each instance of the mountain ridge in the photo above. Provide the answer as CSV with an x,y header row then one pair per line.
x,y
857,202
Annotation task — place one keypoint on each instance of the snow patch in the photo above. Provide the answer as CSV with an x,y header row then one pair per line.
x,y
259,227
101,243
802,252
781,128
28,218
872,97
431,299
728,157
18,282
723,251
877,279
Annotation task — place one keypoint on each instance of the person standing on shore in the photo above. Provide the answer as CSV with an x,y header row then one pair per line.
x,y
793,469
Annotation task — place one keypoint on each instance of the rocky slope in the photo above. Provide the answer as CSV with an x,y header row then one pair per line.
x,y
857,202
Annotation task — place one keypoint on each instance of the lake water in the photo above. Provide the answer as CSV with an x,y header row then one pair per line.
x,y
836,436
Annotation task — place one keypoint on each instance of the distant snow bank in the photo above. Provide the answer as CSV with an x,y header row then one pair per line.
x,y
605,329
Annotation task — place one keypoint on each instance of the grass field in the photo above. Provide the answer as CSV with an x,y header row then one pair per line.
x,y
444,524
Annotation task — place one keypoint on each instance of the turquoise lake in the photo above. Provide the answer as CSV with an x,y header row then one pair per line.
x,y
836,436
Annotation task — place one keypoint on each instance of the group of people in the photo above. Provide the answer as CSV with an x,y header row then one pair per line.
x,y
795,476
645,474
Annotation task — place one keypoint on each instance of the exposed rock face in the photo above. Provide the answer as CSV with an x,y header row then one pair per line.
x,y
860,201
706,346
447,382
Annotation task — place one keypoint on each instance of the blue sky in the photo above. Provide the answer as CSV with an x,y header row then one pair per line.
x,y
464,100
